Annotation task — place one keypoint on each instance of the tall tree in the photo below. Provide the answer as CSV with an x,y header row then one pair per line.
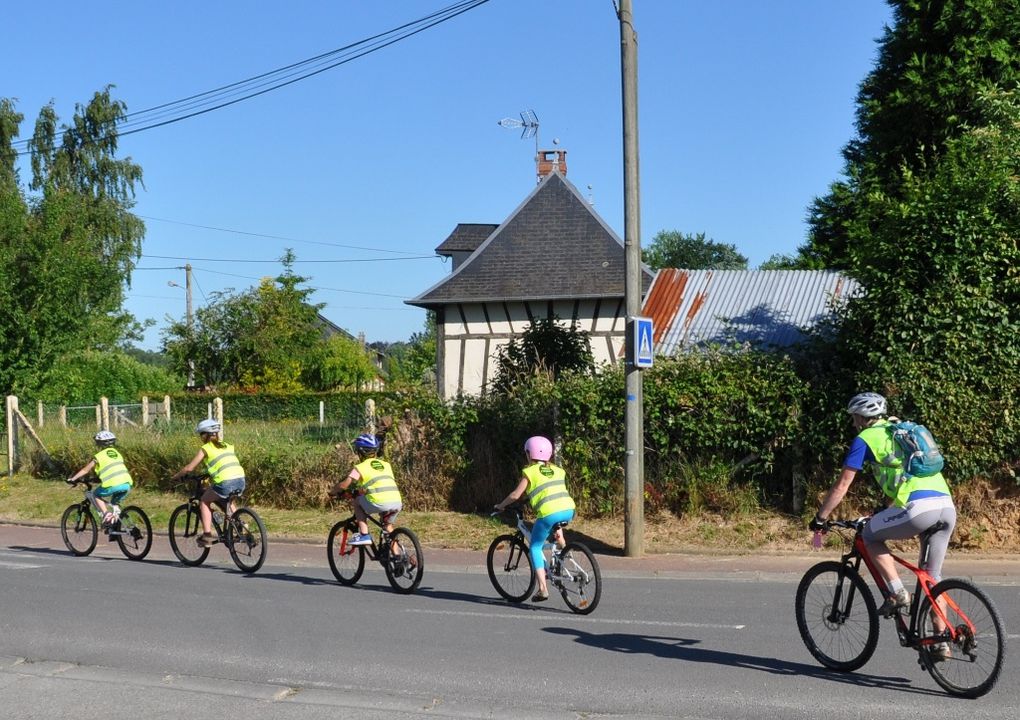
x,y
66,254
934,62
673,249
268,336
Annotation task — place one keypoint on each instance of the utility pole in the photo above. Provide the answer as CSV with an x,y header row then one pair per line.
x,y
191,321
190,316
634,511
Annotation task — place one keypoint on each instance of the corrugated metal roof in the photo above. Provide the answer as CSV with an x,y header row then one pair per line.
x,y
761,307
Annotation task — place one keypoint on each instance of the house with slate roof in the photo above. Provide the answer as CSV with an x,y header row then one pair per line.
x,y
553,256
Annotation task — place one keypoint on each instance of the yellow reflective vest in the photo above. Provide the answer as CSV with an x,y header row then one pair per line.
x,y
110,468
377,483
221,463
547,489
888,467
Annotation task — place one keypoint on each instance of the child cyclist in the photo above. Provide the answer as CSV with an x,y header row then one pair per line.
x,y
114,479
226,476
373,486
544,486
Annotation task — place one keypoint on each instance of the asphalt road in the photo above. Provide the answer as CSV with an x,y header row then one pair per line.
x,y
671,638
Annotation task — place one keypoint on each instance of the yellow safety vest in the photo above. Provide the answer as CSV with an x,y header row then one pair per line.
x,y
547,489
110,468
888,467
377,482
221,463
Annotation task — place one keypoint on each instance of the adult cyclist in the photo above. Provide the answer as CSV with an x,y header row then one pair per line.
x,y
917,504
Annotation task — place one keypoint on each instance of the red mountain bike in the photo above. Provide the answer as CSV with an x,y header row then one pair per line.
x,y
838,619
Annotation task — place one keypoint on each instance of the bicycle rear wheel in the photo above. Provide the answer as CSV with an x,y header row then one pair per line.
x,y
246,540
185,529
579,578
976,653
510,569
836,616
345,560
405,563
135,539
78,528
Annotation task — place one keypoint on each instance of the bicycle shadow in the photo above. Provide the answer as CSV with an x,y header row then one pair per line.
x,y
670,648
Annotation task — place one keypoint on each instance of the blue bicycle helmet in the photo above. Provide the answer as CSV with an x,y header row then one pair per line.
x,y
366,441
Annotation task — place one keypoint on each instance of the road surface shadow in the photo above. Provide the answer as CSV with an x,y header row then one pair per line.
x,y
672,648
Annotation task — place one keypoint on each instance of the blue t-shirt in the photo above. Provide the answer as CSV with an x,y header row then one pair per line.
x,y
858,454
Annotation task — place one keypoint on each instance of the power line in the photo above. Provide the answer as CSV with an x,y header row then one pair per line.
x,y
277,261
275,237
227,95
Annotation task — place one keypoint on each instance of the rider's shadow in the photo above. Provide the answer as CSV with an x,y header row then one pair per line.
x,y
685,649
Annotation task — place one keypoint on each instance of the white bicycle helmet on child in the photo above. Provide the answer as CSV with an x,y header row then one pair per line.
x,y
105,438
867,404
210,427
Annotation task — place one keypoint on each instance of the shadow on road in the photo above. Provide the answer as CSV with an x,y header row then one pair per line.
x,y
685,649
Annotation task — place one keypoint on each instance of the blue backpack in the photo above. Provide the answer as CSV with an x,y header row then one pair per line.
x,y
920,453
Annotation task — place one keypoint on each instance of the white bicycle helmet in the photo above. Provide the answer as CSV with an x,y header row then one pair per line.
x,y
207,426
867,405
105,437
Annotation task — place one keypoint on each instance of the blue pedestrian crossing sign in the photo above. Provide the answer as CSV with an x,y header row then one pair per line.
x,y
644,347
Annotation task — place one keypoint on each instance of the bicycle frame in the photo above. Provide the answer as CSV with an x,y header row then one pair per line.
x,y
89,502
907,632
378,553
194,509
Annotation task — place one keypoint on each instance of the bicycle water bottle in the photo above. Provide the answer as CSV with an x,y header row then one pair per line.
x,y
218,517
816,541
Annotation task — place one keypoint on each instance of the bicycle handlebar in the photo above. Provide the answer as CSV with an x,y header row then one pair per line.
x,y
856,524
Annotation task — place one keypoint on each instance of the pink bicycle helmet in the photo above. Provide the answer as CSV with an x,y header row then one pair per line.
x,y
538,448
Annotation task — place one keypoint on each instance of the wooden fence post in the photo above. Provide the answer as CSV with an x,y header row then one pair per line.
x,y
62,416
217,414
104,404
370,415
322,412
12,434
166,407
145,410
39,413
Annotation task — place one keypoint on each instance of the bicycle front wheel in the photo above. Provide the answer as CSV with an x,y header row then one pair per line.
x,y
78,528
836,616
405,563
977,646
579,578
510,568
345,560
185,529
246,539
135,539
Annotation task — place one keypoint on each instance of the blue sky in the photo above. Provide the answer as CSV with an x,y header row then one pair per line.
x,y
744,106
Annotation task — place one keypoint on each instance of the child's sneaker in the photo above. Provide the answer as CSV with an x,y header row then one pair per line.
x,y
894,602
359,539
940,652
108,519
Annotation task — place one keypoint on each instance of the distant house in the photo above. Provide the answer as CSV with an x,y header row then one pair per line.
x,y
763,308
552,256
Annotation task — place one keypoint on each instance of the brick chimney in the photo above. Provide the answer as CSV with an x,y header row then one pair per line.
x,y
548,160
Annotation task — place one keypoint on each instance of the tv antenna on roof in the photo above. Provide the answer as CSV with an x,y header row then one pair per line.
x,y
528,124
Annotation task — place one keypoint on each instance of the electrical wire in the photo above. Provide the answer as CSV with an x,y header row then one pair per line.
x,y
277,260
224,96
277,237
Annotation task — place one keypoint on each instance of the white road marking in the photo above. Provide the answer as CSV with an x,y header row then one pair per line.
x,y
19,566
606,621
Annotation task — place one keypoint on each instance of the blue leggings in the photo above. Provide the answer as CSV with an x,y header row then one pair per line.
x,y
540,531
